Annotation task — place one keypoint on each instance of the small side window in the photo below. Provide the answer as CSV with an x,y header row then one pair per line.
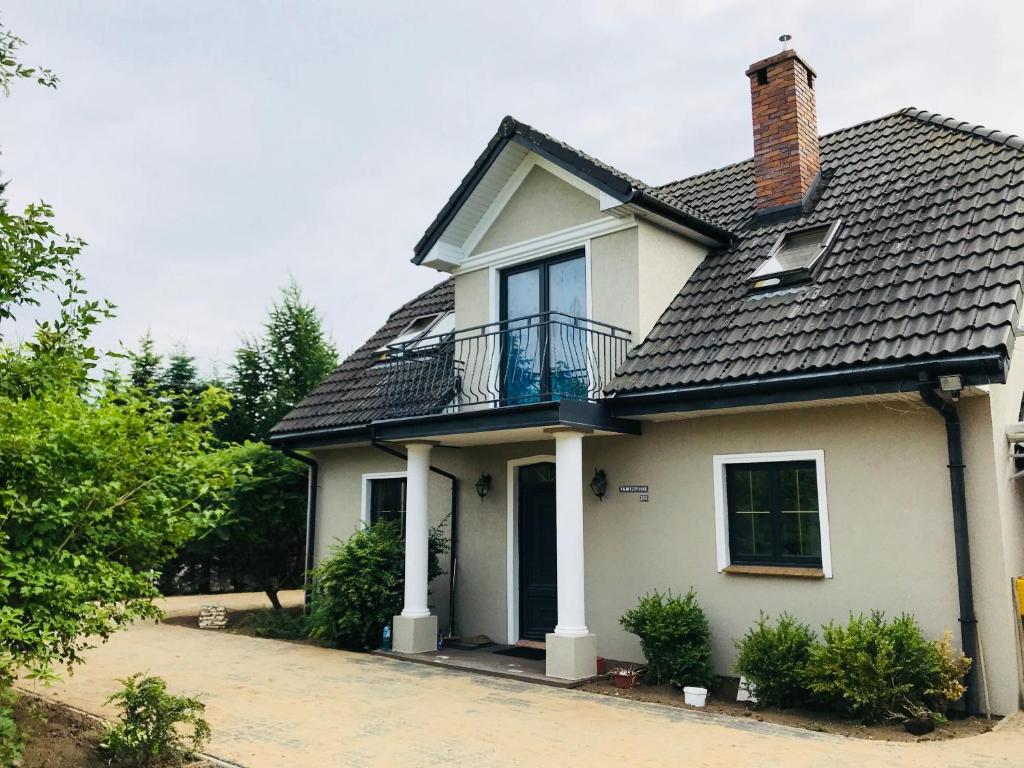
x,y
771,512
387,500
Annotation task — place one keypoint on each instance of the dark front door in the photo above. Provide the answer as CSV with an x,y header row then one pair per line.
x,y
538,573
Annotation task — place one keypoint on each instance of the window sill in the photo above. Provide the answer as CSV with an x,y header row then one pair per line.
x,y
775,570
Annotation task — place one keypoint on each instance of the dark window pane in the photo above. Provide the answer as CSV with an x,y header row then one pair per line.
x,y
798,485
567,293
387,500
773,513
567,287
750,489
801,534
522,342
537,474
752,536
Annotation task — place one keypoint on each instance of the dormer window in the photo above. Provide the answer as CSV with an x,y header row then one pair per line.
x,y
420,332
793,256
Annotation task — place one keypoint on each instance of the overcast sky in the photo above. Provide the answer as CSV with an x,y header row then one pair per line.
x,y
208,150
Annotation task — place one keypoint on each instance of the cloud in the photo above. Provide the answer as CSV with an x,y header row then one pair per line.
x,y
207,151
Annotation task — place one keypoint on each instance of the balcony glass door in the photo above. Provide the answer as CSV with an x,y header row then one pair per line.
x,y
544,353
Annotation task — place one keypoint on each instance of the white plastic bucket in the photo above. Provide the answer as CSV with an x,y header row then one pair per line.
x,y
695,697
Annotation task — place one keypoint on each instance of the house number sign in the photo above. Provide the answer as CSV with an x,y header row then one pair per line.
x,y
639,489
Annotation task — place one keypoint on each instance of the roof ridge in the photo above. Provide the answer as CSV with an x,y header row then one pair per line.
x,y
951,123
727,166
510,124
708,172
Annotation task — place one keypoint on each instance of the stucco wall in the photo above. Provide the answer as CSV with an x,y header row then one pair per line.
x,y
666,261
472,298
995,519
339,506
889,513
634,273
614,280
891,547
542,204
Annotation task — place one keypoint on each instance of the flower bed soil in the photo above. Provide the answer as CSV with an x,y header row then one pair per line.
x,y
60,737
823,722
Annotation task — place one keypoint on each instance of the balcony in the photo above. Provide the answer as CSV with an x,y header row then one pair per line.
x,y
534,359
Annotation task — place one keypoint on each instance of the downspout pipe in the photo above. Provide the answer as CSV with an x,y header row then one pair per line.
x,y
454,539
961,537
314,482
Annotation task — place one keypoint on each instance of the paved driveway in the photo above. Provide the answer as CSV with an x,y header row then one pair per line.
x,y
283,704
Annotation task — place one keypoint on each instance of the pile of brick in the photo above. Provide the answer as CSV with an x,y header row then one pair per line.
x,y
213,617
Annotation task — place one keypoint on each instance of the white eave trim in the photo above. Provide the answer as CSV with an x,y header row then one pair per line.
x,y
545,245
443,256
452,257
614,207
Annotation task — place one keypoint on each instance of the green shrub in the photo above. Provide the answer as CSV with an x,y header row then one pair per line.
x,y
277,624
359,588
774,660
674,634
12,738
874,669
146,733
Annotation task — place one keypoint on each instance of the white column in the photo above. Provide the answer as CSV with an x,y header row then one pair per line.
x,y
416,530
569,536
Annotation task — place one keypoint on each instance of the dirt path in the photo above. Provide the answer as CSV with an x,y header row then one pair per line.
x,y
274,703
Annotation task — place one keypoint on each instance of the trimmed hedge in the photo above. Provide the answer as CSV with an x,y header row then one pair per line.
x,y
674,634
774,660
869,668
875,669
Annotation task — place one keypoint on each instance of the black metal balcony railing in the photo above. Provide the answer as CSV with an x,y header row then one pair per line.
x,y
550,356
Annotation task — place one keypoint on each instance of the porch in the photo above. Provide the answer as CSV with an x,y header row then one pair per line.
x,y
489,660
544,565
529,379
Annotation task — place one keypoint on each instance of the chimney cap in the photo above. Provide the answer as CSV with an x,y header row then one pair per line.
x,y
789,53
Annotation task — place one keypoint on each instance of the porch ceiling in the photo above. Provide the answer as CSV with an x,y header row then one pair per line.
x,y
489,426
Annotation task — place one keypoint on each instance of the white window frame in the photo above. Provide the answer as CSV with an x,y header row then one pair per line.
x,y
364,507
720,462
826,243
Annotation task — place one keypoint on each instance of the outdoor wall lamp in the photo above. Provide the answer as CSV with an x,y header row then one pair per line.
x,y
483,485
952,385
599,485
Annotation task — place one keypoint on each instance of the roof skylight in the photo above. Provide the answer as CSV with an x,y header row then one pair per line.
x,y
420,332
794,253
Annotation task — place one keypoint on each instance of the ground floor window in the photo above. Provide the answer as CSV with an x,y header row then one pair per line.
x,y
384,499
771,510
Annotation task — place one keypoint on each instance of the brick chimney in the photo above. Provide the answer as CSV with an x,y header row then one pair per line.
x,y
785,129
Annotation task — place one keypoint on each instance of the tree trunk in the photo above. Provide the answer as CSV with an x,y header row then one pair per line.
x,y
205,583
272,594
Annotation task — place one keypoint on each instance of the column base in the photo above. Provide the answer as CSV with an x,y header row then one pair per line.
x,y
570,658
414,634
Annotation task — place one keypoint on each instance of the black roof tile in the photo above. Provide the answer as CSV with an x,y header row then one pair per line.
x,y
352,394
928,262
